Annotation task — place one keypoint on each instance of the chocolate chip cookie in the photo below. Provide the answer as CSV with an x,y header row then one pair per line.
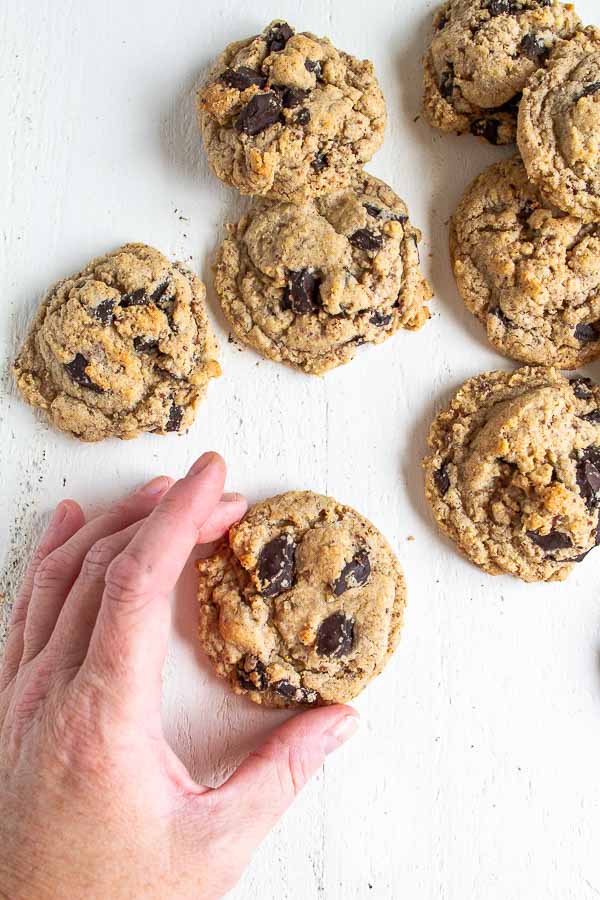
x,y
482,52
122,347
303,605
514,472
308,284
529,272
288,116
559,126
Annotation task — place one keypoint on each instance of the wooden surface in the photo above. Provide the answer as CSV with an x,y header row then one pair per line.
x,y
476,773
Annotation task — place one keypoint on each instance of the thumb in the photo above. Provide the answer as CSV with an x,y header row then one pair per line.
x,y
271,778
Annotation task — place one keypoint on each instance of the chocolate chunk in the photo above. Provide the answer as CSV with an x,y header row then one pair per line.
x,y
76,369
135,298
260,113
252,674
527,210
291,97
354,574
291,692
335,636
320,162
486,128
175,417
582,387
364,239
442,21
500,7
442,480
243,78
555,540
278,37
373,211
497,312
590,89
511,106
302,293
276,566
104,311
588,476
143,345
587,334
158,294
447,83
534,47
303,117
593,416
314,65
378,318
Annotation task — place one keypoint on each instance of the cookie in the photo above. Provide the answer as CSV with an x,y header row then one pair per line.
x,y
559,126
481,55
122,347
529,272
303,605
288,116
308,284
514,472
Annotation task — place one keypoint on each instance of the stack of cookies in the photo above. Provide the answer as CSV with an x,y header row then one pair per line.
x,y
514,474
326,259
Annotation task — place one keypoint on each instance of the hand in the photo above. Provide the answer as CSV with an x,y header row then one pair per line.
x,y
93,802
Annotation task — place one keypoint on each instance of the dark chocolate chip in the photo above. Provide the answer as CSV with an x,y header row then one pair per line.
x,y
497,312
104,311
486,128
511,106
363,239
373,211
593,417
587,334
354,574
303,117
500,7
302,292
252,674
320,162
260,113
277,566
447,83
158,294
335,636
291,97
534,47
590,89
278,37
588,476
527,210
314,66
582,387
291,692
442,480
143,345
76,369
135,298
442,21
243,78
175,417
555,540
379,319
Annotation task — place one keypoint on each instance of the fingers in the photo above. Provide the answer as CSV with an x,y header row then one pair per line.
x,y
66,521
129,643
271,778
57,572
231,509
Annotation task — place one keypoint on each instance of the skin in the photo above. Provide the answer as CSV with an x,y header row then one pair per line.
x,y
93,801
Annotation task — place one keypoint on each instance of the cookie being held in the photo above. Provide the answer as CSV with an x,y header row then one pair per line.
x,y
122,347
481,55
308,284
513,477
304,604
288,116
528,271
559,126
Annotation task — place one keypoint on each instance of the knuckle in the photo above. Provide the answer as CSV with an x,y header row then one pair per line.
x,y
288,764
97,559
126,577
51,569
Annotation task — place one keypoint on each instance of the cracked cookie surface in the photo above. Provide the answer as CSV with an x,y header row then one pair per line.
x,y
288,116
481,55
513,477
559,126
308,284
122,347
303,605
529,272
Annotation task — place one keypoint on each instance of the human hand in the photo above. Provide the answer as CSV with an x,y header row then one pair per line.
x,y
93,801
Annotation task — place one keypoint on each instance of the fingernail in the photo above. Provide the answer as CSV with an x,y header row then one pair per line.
x,y
232,498
156,487
59,515
343,729
203,463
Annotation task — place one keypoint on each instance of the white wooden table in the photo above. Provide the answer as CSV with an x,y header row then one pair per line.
x,y
477,770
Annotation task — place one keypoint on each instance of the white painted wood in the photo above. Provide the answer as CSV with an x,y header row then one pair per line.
x,y
476,772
